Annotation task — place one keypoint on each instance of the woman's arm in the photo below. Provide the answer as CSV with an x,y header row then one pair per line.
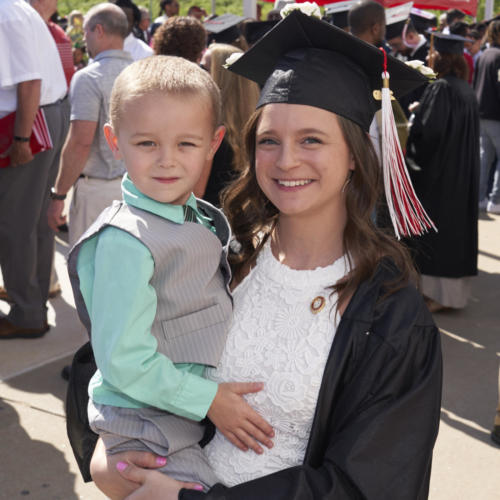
x,y
130,475
106,476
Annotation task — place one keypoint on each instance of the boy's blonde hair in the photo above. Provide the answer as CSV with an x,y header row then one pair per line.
x,y
169,74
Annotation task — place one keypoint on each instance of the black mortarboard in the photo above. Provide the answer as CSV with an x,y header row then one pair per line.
x,y
422,20
339,19
449,44
303,60
395,20
338,13
223,28
394,30
255,30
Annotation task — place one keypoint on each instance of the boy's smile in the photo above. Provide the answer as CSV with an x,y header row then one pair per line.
x,y
165,142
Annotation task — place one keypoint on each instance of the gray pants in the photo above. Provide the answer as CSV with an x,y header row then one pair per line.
x,y
149,429
489,150
26,241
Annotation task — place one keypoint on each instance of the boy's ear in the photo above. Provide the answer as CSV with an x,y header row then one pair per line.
x,y
216,140
112,141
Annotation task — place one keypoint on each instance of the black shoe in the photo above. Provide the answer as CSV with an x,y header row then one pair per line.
x,y
495,434
65,372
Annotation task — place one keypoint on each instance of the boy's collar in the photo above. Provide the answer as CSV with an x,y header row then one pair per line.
x,y
175,213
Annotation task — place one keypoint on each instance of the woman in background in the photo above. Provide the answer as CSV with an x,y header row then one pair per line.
x,y
239,99
444,144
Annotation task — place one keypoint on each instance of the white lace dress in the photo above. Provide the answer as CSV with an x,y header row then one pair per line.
x,y
276,338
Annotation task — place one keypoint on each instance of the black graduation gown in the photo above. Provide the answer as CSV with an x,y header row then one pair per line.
x,y
378,409
221,174
444,144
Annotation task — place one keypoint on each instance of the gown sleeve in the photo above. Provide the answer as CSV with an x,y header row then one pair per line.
x,y
429,128
380,445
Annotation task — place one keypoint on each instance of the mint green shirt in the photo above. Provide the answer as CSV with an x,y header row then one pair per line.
x,y
115,269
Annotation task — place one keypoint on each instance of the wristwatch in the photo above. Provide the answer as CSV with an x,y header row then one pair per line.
x,y
18,138
54,196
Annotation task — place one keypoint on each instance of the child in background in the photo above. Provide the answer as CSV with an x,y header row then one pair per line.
x,y
79,56
150,278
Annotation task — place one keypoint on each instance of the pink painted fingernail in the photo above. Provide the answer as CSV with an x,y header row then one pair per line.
x,y
121,466
198,487
161,460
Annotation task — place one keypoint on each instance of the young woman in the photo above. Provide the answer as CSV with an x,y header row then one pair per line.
x,y
325,309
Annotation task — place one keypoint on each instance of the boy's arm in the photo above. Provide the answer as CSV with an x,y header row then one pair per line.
x,y
122,307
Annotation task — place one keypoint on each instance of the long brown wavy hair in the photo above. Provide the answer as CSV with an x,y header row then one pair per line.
x,y
253,217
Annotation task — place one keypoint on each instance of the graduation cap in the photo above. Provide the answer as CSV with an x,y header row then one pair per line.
x,y
224,28
255,30
279,4
337,13
449,44
396,19
304,60
422,19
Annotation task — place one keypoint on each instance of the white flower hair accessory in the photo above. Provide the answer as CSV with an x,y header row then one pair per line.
x,y
232,59
422,68
307,8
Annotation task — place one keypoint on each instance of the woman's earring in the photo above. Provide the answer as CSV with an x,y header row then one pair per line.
x,y
349,177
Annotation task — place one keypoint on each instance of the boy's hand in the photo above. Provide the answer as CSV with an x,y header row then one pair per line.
x,y
237,420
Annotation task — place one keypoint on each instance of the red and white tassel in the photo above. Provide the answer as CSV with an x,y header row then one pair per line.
x,y
407,213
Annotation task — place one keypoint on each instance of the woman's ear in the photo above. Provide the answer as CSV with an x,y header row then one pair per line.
x,y
352,163
112,141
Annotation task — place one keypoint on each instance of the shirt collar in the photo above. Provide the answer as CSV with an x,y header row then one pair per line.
x,y
112,53
175,213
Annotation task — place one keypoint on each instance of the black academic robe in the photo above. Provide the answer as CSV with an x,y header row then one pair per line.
x,y
444,145
221,173
421,53
378,409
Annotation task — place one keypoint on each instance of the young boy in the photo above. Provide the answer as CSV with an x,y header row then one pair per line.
x,y
150,277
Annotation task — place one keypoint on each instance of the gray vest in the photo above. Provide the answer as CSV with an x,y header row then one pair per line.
x,y
191,279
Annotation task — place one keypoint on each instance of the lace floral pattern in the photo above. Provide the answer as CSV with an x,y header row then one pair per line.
x,y
275,338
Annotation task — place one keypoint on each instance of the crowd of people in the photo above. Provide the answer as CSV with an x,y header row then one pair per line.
x,y
174,134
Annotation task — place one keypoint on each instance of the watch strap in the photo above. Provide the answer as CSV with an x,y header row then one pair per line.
x,y
54,196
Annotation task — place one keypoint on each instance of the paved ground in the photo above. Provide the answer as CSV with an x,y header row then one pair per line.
x,y
36,461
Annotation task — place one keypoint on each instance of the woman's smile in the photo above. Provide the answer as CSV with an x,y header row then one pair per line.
x,y
293,184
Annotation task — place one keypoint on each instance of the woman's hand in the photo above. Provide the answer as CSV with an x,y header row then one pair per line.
x,y
106,476
152,485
